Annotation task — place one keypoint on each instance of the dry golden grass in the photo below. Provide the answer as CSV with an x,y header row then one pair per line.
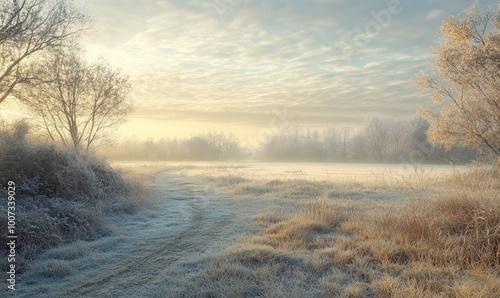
x,y
443,241
460,230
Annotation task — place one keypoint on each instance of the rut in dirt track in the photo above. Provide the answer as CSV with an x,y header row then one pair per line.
x,y
159,260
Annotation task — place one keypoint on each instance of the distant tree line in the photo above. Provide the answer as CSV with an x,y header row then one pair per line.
x,y
204,146
380,140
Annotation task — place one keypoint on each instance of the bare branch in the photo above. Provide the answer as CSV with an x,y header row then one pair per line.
x,y
78,101
29,27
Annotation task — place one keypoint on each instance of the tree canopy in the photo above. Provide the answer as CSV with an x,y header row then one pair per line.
x,y
78,102
465,82
27,28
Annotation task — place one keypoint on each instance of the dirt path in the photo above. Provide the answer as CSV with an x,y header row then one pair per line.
x,y
151,253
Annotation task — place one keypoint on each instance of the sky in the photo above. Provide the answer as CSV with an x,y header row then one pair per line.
x,y
245,66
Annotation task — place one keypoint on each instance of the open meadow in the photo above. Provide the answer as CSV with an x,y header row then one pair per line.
x,y
361,231
225,148
289,230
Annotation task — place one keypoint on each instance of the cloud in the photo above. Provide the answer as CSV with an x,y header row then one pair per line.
x,y
188,64
435,14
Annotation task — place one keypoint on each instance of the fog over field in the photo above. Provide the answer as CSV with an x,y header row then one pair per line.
x,y
222,148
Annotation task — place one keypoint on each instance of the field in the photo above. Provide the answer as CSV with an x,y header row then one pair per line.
x,y
289,230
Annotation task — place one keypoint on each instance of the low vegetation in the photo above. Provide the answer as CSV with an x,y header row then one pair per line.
x,y
350,239
61,195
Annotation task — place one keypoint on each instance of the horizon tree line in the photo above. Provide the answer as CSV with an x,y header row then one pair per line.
x,y
380,140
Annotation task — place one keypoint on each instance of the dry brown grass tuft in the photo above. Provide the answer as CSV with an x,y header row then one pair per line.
x,y
462,231
339,245
268,218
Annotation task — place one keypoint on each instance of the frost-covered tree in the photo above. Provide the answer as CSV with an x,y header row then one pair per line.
x,y
344,136
465,82
30,27
78,102
330,142
377,137
398,132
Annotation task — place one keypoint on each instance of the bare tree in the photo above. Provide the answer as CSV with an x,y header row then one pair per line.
x,y
79,102
399,135
465,81
215,145
311,147
330,142
377,137
228,146
28,27
292,133
344,136
357,147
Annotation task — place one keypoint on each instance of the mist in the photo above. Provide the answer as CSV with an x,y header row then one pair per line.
x,y
380,140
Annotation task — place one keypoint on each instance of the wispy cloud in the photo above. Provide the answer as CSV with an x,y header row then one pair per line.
x,y
188,65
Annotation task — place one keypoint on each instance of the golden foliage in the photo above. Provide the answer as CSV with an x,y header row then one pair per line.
x,y
465,82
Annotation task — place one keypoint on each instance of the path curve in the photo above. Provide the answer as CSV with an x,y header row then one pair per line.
x,y
157,254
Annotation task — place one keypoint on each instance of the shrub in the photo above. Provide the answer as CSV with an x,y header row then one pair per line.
x,y
61,195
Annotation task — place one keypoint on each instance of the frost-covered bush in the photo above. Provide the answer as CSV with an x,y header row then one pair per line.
x,y
61,195
45,170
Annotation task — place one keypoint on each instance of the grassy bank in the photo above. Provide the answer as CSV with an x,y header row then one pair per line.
x,y
60,195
